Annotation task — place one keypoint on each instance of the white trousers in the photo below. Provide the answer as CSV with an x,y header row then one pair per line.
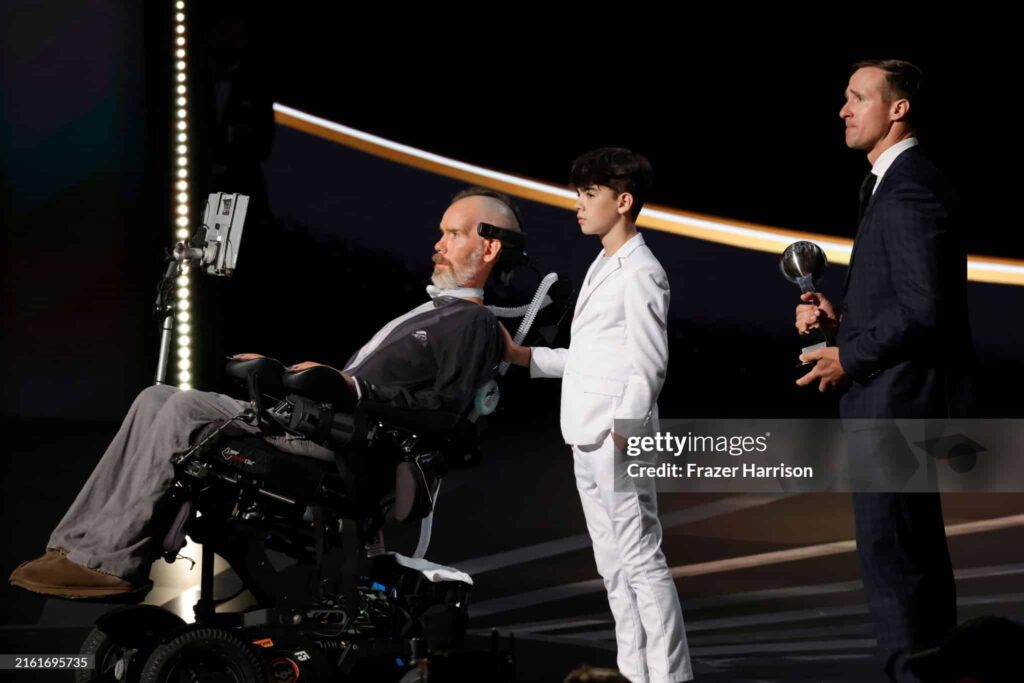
x,y
626,535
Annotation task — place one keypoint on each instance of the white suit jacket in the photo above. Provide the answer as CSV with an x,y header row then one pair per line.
x,y
615,365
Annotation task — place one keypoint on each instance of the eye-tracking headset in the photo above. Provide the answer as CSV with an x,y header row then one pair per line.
x,y
513,245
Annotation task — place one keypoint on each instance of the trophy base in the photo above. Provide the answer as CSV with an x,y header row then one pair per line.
x,y
807,349
814,347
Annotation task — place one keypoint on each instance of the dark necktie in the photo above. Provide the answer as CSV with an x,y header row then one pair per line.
x,y
866,189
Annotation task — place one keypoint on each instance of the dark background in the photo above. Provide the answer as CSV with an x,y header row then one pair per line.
x,y
741,124
737,113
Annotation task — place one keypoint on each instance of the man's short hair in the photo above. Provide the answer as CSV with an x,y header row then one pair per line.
x,y
477,191
903,81
617,168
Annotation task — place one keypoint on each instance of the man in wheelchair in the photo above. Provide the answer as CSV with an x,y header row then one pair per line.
x,y
430,361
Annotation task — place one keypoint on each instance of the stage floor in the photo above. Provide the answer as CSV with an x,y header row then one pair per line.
x,y
769,583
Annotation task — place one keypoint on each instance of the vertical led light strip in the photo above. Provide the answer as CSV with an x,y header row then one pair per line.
x,y
182,214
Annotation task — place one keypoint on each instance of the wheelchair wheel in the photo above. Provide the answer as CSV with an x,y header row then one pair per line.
x,y
289,656
204,654
113,662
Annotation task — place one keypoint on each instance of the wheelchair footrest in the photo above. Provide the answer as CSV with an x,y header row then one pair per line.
x,y
435,573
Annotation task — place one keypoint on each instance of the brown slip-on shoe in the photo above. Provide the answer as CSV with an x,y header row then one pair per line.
x,y
53,574
50,555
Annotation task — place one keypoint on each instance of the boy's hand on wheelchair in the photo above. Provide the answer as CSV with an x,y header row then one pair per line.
x,y
514,353
247,356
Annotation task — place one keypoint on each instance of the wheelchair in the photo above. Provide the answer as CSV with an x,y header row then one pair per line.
x,y
296,528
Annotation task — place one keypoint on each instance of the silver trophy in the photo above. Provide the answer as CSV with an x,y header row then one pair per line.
x,y
804,264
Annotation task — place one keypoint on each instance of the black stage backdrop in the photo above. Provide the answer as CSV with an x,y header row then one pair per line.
x,y
742,126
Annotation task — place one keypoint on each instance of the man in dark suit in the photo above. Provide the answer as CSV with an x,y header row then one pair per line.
x,y
903,342
433,357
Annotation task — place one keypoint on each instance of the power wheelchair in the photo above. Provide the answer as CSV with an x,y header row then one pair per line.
x,y
295,529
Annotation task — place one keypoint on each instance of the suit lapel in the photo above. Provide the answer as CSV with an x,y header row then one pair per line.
x,y
610,269
587,286
614,265
867,217
884,183
856,239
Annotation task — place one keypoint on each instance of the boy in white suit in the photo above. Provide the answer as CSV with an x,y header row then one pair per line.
x,y
613,370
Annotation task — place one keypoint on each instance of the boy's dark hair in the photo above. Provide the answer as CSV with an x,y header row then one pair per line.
x,y
617,168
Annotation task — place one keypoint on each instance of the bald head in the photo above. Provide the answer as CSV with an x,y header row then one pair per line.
x,y
507,212
480,209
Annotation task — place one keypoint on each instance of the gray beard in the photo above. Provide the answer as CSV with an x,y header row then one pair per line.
x,y
452,279
444,279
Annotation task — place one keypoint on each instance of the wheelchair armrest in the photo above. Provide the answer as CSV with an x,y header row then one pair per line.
x,y
322,384
268,370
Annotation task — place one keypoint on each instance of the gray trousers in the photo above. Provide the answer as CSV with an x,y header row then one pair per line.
x,y
105,528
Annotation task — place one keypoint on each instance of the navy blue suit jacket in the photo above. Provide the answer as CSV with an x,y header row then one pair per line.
x,y
904,337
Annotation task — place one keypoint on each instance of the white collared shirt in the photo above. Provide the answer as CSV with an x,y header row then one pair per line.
x,y
885,159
